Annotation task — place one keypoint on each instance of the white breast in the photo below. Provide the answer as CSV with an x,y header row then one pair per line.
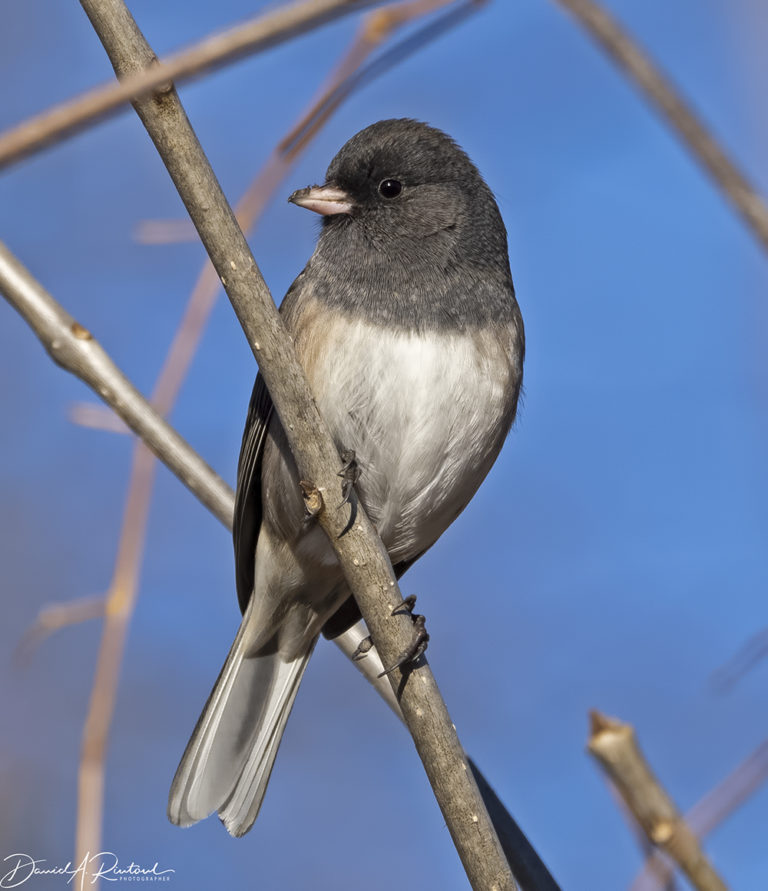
x,y
426,415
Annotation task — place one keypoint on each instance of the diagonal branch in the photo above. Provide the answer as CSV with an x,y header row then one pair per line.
x,y
256,35
640,69
361,554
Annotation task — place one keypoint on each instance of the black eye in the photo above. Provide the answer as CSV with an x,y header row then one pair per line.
x,y
390,188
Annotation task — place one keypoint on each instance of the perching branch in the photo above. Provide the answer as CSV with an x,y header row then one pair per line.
x,y
74,348
614,746
361,554
260,33
640,69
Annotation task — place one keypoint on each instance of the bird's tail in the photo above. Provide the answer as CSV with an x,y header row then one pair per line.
x,y
228,760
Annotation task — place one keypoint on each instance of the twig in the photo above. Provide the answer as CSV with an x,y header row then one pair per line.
x,y
361,554
260,33
710,811
614,746
640,69
118,611
56,616
73,347
96,417
752,651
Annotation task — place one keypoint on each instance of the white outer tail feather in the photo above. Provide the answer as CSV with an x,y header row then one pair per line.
x,y
228,761
242,806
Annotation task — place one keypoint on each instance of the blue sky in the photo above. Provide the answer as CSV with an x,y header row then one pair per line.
x,y
616,555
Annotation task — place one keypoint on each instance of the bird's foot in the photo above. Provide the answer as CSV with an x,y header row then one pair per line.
x,y
419,639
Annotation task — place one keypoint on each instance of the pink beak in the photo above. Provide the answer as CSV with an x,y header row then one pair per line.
x,y
326,200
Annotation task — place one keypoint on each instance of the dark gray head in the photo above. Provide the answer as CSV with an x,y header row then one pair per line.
x,y
411,232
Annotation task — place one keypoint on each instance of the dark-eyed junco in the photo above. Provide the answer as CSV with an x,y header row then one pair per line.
x,y
406,323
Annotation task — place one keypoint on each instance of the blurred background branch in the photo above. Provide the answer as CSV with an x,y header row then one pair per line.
x,y
56,616
641,71
614,746
660,871
708,813
96,417
752,652
74,348
262,32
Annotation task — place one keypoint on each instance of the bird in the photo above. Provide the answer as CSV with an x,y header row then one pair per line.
x,y
406,323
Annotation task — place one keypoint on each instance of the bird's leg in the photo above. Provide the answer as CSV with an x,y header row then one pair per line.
x,y
417,646
349,473
419,640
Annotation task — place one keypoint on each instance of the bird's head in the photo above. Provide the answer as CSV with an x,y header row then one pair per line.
x,y
401,186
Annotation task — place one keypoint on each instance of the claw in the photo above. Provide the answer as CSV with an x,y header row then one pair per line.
x,y
406,606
